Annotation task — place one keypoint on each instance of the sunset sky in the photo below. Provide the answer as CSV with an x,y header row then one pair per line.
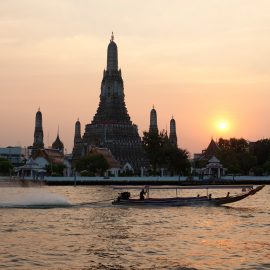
x,y
207,63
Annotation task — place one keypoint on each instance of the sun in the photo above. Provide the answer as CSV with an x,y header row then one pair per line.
x,y
223,125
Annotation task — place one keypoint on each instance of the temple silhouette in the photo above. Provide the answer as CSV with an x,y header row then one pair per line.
x,y
111,126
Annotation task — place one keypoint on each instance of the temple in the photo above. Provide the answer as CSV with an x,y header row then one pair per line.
x,y
173,136
57,144
153,121
38,134
111,126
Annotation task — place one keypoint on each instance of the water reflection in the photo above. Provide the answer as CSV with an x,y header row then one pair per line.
x,y
107,237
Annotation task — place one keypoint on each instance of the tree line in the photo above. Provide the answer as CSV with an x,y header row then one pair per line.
x,y
240,156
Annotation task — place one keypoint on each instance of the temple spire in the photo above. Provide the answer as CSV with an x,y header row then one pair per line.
x,y
38,134
77,136
112,55
153,121
173,136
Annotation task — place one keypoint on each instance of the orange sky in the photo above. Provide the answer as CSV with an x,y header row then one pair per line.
x,y
200,61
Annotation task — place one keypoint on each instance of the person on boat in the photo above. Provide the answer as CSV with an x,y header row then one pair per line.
x,y
228,194
210,196
142,194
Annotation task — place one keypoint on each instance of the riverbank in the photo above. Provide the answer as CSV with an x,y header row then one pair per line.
x,y
135,180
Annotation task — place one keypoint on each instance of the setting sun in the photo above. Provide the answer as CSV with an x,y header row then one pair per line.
x,y
222,125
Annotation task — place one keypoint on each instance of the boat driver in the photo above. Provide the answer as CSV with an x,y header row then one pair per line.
x,y
142,194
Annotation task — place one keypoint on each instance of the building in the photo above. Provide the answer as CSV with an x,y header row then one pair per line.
x,y
206,164
38,134
211,150
173,136
111,126
57,144
16,155
44,157
77,151
153,121
114,165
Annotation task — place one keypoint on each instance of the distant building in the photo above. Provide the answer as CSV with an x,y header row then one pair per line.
x,y
15,154
211,150
114,165
213,169
206,164
30,168
111,126
38,134
43,157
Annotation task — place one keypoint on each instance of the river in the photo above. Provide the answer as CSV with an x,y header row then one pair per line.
x,y
53,228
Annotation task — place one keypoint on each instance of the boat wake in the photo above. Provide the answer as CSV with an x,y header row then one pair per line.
x,y
32,198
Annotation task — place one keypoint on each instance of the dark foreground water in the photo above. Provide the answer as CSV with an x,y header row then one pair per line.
x,y
54,232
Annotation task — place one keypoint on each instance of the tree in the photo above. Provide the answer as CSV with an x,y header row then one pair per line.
x,y
152,144
234,154
266,167
55,169
162,154
93,163
261,149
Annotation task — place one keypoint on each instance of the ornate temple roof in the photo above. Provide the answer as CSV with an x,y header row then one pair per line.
x,y
211,150
53,156
106,153
57,144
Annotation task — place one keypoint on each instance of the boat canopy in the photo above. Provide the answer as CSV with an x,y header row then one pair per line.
x,y
186,187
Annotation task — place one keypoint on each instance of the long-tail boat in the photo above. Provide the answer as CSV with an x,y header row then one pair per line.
x,y
124,198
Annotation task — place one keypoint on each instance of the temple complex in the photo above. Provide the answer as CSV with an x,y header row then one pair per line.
x,y
111,126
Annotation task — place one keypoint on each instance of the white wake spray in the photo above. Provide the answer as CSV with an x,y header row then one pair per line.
x,y
30,197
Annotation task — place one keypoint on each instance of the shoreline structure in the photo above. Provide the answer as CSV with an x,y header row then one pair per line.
x,y
137,180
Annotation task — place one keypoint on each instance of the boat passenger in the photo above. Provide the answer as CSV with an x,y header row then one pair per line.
x,y
210,196
228,194
142,194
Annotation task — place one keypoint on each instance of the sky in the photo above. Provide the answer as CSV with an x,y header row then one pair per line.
x,y
206,63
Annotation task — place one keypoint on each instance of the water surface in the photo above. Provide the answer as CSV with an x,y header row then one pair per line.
x,y
47,228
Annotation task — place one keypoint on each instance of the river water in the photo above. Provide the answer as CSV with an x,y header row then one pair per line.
x,y
48,228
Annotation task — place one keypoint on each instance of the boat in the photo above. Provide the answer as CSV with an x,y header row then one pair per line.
x,y
124,198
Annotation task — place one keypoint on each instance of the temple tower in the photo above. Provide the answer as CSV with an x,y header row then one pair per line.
x,y
111,126
77,151
38,134
57,144
153,121
77,136
173,137
112,107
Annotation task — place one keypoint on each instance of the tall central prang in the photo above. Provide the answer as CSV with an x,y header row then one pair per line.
x,y
111,126
112,107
